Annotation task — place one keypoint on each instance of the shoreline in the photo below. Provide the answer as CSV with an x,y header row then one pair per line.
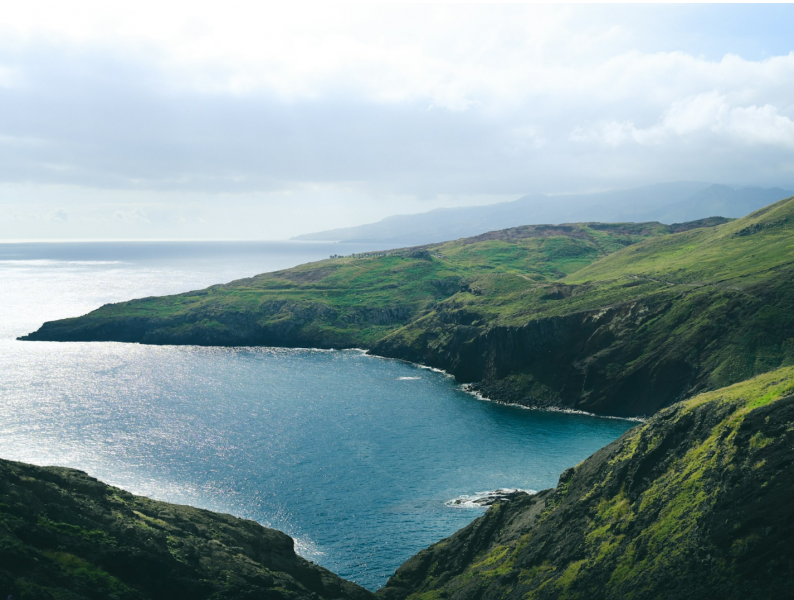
x,y
466,387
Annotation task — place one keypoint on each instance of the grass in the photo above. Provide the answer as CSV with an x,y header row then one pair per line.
x,y
620,319
693,503
357,300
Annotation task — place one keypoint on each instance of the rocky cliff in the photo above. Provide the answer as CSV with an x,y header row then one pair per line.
x,y
695,503
65,535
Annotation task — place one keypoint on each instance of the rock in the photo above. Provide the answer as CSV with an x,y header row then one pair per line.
x,y
64,534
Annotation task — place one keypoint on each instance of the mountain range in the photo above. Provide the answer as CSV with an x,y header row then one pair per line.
x,y
668,203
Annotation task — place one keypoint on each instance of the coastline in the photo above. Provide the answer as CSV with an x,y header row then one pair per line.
x,y
466,387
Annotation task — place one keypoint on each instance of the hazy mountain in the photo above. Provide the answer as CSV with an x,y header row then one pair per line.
x,y
666,202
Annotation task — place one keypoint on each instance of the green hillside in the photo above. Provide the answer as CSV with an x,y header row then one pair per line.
x,y
695,503
618,319
356,300
637,330
67,536
624,319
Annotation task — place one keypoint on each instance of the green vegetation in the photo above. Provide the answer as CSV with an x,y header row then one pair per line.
x,y
624,319
463,306
355,301
618,319
611,318
66,536
689,504
635,331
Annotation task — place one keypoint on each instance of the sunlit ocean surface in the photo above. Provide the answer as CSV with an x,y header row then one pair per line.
x,y
354,456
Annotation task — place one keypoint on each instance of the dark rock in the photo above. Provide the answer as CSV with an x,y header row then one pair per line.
x,y
696,504
66,535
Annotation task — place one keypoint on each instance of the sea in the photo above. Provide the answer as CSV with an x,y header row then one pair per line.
x,y
363,460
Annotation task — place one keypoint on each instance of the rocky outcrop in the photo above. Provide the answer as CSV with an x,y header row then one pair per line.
x,y
628,359
66,535
696,503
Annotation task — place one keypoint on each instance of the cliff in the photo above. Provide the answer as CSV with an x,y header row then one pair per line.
x,y
695,503
65,535
619,319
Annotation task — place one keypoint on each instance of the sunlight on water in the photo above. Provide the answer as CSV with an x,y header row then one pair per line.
x,y
356,457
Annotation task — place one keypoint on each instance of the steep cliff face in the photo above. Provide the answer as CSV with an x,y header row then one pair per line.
x,y
628,359
65,535
695,503
619,319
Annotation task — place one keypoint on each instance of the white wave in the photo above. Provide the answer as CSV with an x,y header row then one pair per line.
x,y
483,499
434,369
408,378
307,549
466,387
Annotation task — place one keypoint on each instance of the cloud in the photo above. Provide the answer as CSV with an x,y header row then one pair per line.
x,y
762,125
133,215
60,215
381,109
709,114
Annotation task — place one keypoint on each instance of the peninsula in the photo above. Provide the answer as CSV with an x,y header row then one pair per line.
x,y
615,319
691,323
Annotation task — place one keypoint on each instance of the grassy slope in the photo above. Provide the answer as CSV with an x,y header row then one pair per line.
x,y
353,301
648,325
66,536
695,503
615,319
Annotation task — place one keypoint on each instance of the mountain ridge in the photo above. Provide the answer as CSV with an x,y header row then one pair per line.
x,y
667,203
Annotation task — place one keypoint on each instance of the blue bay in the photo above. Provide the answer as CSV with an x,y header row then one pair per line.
x,y
354,456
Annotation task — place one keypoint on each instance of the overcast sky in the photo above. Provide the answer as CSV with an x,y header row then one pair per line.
x,y
239,120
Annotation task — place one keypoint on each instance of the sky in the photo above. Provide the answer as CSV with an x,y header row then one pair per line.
x,y
251,120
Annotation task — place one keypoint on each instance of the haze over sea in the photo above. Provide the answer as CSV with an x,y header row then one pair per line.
x,y
354,456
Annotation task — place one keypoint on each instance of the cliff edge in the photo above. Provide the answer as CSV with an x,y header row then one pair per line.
x,y
66,536
695,503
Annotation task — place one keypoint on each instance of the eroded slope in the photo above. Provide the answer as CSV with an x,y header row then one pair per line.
x,y
695,503
65,535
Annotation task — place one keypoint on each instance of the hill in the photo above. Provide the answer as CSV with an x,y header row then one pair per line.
x,y
668,203
349,301
693,504
65,535
619,319
628,334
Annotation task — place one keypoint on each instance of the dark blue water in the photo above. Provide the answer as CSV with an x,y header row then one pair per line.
x,y
354,456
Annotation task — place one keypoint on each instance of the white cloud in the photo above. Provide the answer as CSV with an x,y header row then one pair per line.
x,y
59,215
709,113
761,125
133,215
376,109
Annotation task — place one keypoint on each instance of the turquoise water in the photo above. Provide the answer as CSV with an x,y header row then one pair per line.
x,y
354,456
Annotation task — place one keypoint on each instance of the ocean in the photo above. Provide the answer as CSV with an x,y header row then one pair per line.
x,y
363,460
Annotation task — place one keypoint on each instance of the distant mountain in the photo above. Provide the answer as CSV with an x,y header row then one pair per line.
x,y
665,202
718,200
